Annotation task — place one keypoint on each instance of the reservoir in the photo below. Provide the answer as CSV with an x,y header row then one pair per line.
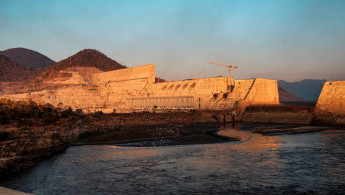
x,y
252,164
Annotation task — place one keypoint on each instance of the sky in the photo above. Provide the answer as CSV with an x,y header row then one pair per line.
x,y
287,40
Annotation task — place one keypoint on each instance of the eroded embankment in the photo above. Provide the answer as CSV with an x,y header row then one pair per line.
x,y
22,146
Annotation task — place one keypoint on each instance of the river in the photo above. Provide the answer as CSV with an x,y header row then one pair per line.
x,y
300,163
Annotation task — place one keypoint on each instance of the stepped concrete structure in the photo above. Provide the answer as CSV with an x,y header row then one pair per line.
x,y
134,89
330,107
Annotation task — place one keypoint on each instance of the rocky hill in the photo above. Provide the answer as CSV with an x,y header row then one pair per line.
x,y
87,59
27,57
13,72
308,89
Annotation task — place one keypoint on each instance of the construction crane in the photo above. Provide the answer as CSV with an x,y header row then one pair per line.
x,y
229,66
199,74
230,80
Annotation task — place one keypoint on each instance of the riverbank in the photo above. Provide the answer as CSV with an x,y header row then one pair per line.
x,y
279,130
22,146
255,165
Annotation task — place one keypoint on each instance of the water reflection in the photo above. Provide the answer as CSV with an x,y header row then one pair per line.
x,y
256,164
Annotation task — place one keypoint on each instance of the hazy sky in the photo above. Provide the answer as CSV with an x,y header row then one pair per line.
x,y
277,39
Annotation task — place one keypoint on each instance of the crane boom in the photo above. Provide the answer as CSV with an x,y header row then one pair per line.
x,y
230,80
218,64
199,74
223,65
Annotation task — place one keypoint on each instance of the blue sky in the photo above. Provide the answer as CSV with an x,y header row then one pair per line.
x,y
277,39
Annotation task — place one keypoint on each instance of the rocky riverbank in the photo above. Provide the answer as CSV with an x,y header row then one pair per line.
x,y
24,141
23,146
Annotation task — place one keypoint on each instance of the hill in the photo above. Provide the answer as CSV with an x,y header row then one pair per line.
x,y
90,60
13,72
27,57
285,96
308,89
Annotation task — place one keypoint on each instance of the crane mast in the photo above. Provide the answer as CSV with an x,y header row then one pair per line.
x,y
230,79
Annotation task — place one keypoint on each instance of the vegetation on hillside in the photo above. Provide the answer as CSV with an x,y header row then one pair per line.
x,y
13,72
29,112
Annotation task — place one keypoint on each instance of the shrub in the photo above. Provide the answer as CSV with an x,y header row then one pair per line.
x,y
21,111
67,113
99,113
49,118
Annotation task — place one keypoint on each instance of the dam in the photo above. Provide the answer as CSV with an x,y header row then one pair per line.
x,y
330,107
134,89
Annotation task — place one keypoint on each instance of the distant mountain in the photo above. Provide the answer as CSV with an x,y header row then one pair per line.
x,y
285,96
308,89
13,72
28,58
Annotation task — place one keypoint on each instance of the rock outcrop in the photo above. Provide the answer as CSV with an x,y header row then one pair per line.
x,y
22,147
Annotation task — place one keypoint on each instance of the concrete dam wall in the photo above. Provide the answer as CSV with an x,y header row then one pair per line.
x,y
330,107
134,89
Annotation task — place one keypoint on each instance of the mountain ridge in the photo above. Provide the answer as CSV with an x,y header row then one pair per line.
x,y
285,96
308,89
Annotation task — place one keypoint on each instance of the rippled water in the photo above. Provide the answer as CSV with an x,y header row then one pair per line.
x,y
303,163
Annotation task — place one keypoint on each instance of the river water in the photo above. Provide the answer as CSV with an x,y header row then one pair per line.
x,y
284,164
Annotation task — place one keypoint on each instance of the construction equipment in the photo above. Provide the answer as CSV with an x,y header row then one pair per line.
x,y
230,80
199,74
229,66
